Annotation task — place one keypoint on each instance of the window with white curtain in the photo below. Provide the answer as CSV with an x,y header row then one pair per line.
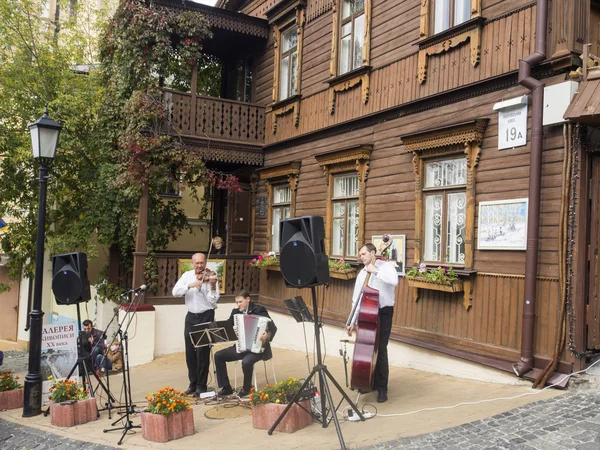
x,y
445,206
289,62
352,35
282,197
345,217
449,13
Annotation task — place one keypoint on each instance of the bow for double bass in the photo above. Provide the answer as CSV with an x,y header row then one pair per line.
x,y
365,315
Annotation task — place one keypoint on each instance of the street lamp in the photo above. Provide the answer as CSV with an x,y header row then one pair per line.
x,y
44,140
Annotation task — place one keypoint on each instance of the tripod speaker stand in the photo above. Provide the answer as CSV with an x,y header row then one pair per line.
x,y
324,375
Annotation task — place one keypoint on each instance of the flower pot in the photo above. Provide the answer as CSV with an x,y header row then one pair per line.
x,y
11,399
265,415
346,274
71,414
447,286
161,428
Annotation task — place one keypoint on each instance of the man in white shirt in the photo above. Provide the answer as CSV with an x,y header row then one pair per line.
x,y
385,279
201,298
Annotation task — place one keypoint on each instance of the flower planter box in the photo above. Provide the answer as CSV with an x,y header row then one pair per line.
x,y
161,428
448,286
11,399
71,414
265,415
274,268
346,274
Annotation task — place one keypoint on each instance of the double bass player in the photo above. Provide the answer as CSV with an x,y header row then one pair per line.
x,y
383,277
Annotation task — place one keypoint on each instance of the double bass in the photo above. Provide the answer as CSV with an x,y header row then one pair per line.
x,y
366,344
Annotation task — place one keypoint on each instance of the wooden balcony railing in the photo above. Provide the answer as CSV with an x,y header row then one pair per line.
x,y
238,275
215,118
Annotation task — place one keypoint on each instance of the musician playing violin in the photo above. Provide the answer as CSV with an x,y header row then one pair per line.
x,y
201,291
244,306
385,279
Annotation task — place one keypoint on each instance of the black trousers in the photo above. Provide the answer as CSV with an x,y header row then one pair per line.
x,y
382,368
231,354
197,360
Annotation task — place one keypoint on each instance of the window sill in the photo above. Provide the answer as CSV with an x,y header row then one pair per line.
x,y
285,102
349,75
450,32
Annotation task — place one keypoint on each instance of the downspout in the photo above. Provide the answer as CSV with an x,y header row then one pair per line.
x,y
536,87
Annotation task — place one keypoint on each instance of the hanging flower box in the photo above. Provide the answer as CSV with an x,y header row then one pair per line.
x,y
345,274
445,286
163,428
265,415
71,413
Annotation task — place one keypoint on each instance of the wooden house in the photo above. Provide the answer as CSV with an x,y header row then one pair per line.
x,y
439,122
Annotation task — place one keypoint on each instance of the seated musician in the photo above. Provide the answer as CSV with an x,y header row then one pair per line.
x,y
91,342
244,306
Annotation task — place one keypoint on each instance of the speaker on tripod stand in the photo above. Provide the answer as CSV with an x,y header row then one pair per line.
x,y
303,263
70,283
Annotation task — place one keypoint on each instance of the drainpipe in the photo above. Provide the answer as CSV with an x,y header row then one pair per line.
x,y
536,87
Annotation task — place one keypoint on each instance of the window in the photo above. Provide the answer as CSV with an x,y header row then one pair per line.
x,y
449,13
281,182
345,217
346,173
445,211
289,61
282,197
352,35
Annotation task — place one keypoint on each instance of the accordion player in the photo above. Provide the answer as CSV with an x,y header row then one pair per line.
x,y
249,330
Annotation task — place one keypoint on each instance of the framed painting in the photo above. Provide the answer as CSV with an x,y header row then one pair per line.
x,y
217,265
502,225
396,252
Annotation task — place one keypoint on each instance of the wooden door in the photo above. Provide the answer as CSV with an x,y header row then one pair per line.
x,y
239,223
9,305
593,297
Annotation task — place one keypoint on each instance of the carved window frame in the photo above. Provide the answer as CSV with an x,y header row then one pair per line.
x,y
436,44
282,17
287,173
360,76
351,159
447,142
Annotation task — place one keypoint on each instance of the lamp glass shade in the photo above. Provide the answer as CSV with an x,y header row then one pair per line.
x,y
44,137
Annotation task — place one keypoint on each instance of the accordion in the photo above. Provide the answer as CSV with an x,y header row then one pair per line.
x,y
249,330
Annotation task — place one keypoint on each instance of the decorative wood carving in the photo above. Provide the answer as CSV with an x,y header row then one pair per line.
x,y
289,108
350,159
464,138
473,36
345,85
281,173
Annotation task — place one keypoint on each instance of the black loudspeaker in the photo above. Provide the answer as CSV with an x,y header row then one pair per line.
x,y
70,282
302,258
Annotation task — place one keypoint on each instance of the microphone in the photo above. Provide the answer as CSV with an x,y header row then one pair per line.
x,y
143,287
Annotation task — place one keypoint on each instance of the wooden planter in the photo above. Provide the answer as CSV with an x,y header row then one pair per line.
x,y
346,274
160,428
71,414
448,286
265,415
11,399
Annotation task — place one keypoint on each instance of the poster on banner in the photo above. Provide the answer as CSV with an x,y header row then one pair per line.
x,y
59,355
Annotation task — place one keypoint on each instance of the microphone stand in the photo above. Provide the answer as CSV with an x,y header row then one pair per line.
x,y
122,332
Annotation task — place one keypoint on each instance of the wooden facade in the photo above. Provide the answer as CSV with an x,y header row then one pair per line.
x,y
408,103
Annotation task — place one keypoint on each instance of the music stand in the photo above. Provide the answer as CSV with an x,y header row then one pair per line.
x,y
209,334
298,309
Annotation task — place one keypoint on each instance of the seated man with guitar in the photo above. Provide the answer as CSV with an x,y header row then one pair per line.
x,y
248,358
380,276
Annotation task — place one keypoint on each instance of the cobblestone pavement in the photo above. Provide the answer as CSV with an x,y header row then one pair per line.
x,y
571,421
13,436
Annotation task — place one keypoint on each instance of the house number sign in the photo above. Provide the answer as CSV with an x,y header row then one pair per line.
x,y
512,123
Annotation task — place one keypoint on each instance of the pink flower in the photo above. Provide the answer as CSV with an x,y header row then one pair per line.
x,y
342,260
260,257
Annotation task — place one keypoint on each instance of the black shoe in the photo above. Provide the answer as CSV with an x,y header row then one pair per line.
x,y
190,391
226,391
381,397
244,393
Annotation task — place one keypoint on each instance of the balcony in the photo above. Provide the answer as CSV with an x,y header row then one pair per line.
x,y
210,118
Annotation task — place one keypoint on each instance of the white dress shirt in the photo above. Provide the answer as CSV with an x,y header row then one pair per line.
x,y
385,281
196,300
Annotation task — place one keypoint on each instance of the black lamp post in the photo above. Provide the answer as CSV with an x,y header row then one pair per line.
x,y
44,140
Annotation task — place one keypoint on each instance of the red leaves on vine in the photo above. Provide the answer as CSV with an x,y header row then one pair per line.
x,y
223,181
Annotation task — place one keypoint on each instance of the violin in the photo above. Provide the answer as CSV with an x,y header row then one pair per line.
x,y
206,275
